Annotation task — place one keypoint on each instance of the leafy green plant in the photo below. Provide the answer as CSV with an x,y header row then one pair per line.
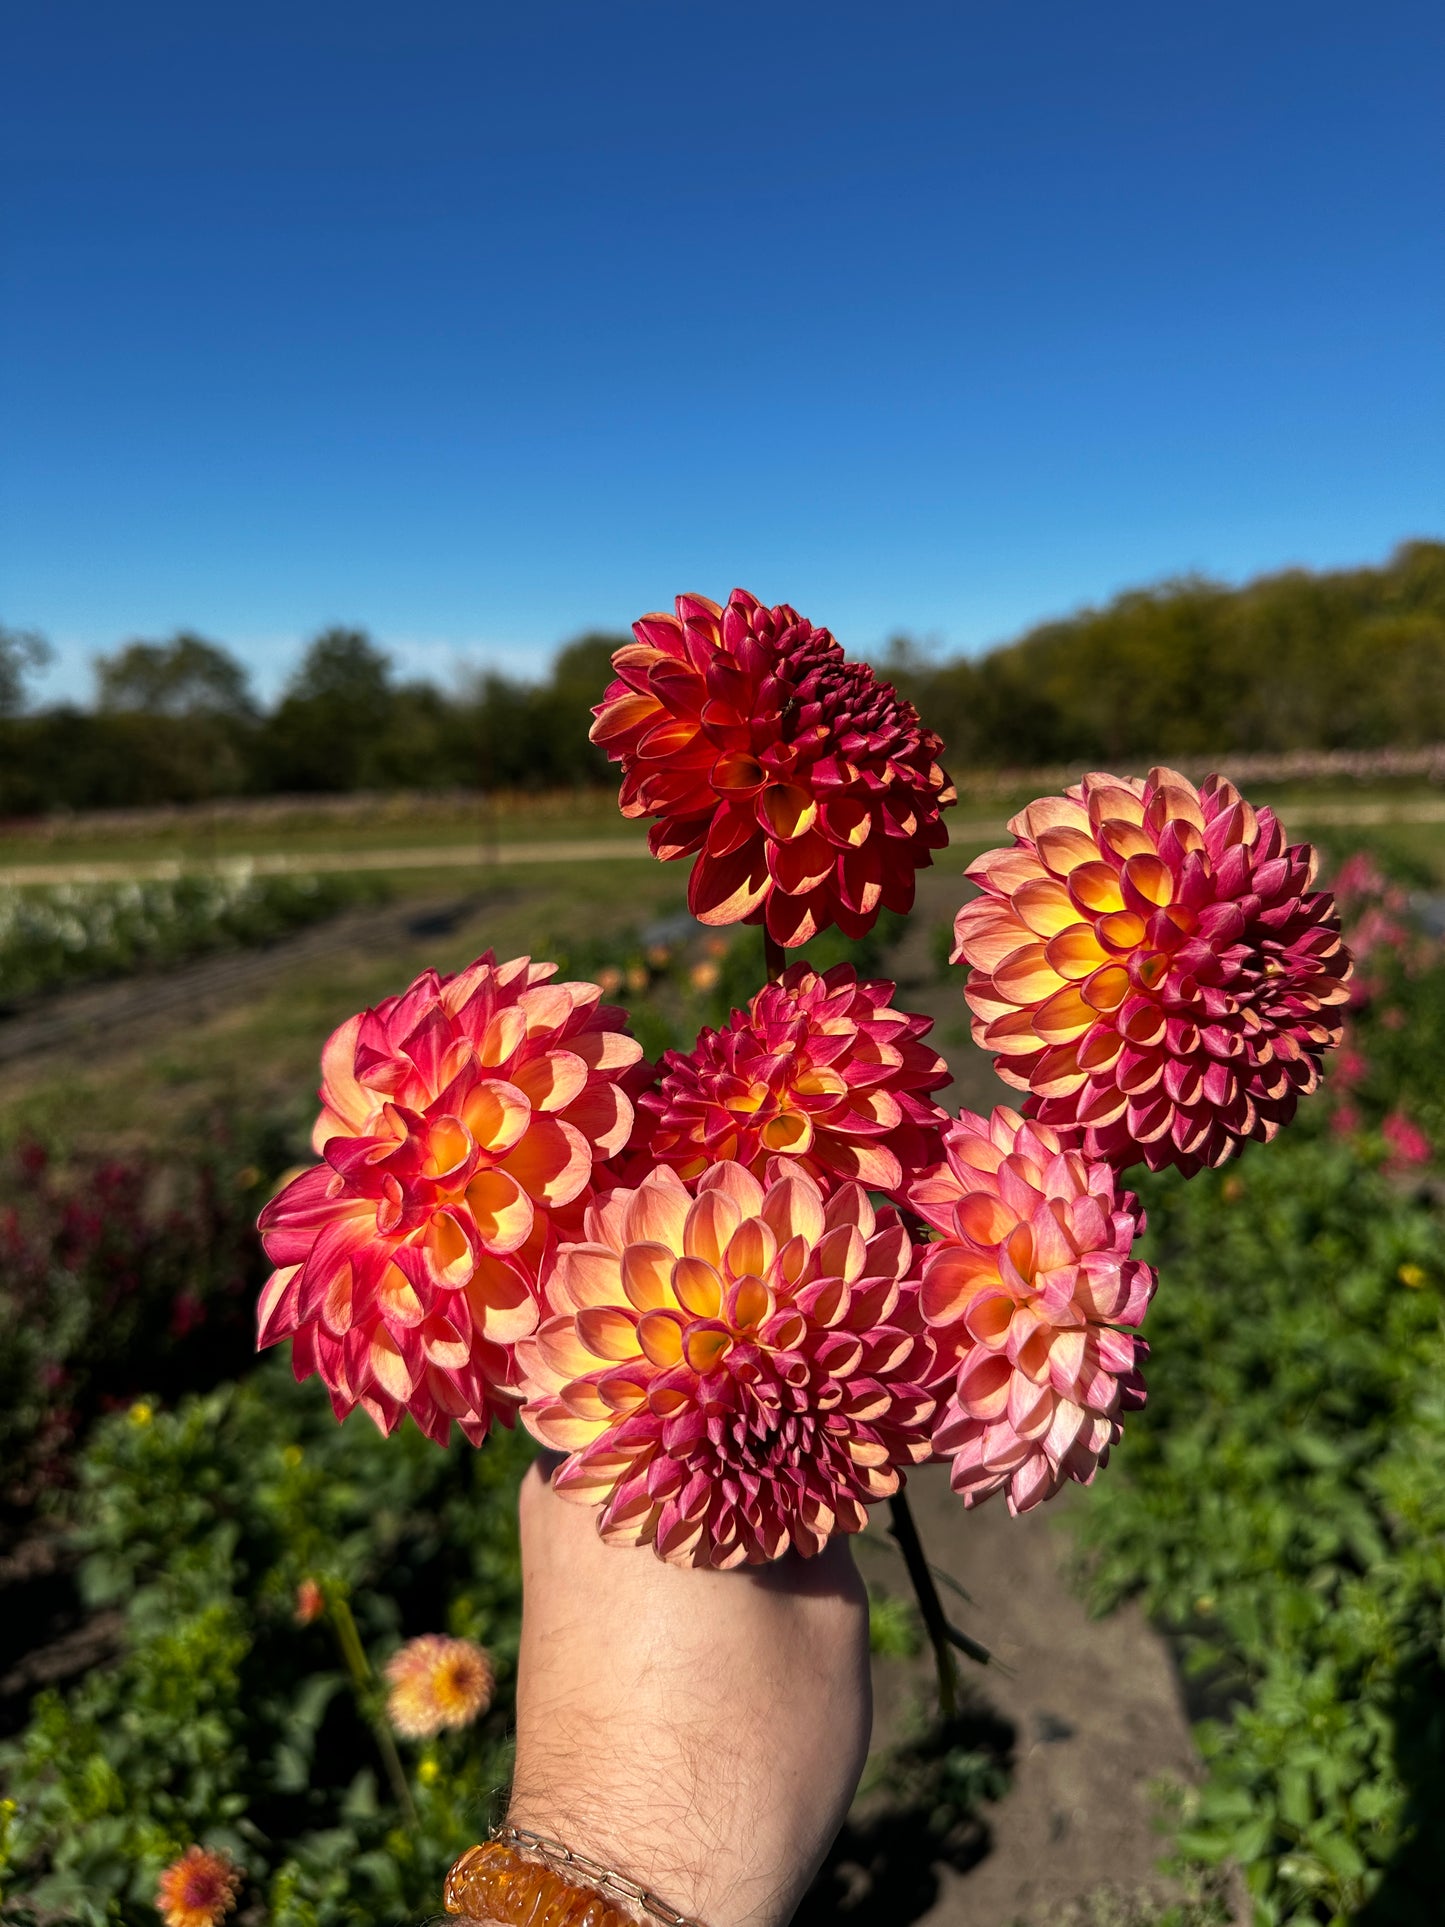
x,y
227,1722
1280,1507
72,933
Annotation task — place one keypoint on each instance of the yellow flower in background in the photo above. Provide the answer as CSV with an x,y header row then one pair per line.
x,y
436,1682
141,1413
1411,1275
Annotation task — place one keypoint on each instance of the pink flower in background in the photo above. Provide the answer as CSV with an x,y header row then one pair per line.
x,y
1374,914
734,1369
821,1069
1025,1294
1345,1122
1408,1145
461,1123
807,788
1150,963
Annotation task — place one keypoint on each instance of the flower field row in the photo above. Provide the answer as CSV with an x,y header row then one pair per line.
x,y
1281,1503
74,932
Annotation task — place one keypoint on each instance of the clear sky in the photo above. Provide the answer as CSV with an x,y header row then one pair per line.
x,y
484,325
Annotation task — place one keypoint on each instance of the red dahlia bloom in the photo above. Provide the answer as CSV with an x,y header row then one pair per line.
x,y
820,1069
734,1368
808,788
1151,965
459,1120
1024,1294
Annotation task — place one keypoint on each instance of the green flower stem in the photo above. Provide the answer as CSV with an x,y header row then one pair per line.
x,y
774,956
359,1666
940,1633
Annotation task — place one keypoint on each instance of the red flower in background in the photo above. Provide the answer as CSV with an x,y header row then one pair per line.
x,y
1151,965
807,787
460,1121
1024,1295
820,1069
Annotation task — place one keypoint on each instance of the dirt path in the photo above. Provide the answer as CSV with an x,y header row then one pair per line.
x,y
105,1017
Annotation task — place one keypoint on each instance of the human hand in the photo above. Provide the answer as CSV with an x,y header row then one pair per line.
x,y
701,1732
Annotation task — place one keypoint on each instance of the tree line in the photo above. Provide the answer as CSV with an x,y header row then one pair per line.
x,y
1343,659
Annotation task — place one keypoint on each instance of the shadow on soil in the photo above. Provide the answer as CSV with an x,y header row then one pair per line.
x,y
1410,1894
922,1815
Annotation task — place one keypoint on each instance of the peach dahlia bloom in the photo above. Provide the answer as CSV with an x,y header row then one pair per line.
x,y
733,1368
1025,1294
434,1682
458,1121
819,1068
198,1889
808,788
1150,963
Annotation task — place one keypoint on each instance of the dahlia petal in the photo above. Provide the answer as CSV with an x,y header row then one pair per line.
x,y
501,1210
608,1332
728,889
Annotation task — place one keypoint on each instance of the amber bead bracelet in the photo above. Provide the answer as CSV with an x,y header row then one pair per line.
x,y
495,1881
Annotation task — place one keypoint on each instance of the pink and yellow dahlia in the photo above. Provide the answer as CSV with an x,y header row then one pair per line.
x,y
1024,1295
458,1122
733,1368
807,787
434,1682
1150,963
199,1889
820,1069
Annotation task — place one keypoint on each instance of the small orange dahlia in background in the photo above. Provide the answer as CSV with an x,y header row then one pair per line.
x,y
1150,963
459,1121
1024,1295
819,1068
310,1602
734,1368
808,788
199,1889
434,1682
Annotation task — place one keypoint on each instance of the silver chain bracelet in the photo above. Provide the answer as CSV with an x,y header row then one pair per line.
x,y
606,1879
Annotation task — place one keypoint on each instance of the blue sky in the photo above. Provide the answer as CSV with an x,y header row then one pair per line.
x,y
482,326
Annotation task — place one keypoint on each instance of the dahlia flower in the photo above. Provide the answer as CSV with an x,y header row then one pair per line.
x,y
1024,1295
808,788
458,1121
1406,1143
820,1069
1150,964
435,1682
734,1368
198,1889
310,1602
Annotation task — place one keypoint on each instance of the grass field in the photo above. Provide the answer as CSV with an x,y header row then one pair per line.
x,y
260,1053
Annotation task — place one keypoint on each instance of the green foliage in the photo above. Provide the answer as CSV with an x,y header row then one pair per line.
x,y
71,933
118,1274
1346,659
224,1721
1280,1505
186,676
894,1628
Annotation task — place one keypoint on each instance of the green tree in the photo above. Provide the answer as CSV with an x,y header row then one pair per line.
x,y
22,652
186,676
